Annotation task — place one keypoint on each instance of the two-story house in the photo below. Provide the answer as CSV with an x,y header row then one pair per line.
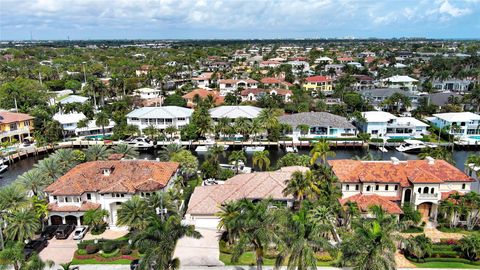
x,y
384,124
463,124
159,117
231,85
204,80
316,84
390,184
15,126
105,185
400,81
256,93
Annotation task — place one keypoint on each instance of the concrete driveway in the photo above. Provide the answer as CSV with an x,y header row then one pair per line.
x,y
199,252
59,251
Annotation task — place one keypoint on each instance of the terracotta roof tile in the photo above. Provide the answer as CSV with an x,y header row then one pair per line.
x,y
126,176
11,117
364,202
315,79
84,206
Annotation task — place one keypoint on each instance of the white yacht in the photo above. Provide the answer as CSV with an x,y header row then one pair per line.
x,y
205,148
413,146
291,149
241,167
3,168
250,149
141,143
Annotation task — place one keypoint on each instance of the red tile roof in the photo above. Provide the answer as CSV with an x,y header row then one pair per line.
x,y
405,172
234,81
84,206
126,176
11,117
315,79
364,202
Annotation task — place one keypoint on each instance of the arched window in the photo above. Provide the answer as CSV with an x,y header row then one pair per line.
x,y
357,187
425,190
368,188
377,187
347,187
419,190
386,187
432,190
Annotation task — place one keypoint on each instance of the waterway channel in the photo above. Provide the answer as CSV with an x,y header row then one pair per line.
x,y
459,156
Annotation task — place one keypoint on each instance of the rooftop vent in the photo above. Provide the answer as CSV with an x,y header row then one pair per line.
x,y
430,160
395,160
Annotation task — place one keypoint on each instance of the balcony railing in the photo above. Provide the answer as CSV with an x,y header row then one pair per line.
x,y
427,195
15,132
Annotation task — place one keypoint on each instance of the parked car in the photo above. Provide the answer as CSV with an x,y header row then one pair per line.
x,y
63,231
49,231
36,245
80,232
134,265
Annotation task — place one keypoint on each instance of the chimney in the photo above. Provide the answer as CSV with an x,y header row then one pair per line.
x,y
430,160
395,160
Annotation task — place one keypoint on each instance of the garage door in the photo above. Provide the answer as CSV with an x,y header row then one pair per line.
x,y
206,222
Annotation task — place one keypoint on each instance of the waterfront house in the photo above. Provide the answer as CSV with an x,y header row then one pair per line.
x,y
270,82
231,85
105,185
400,81
206,201
159,117
315,84
234,112
390,184
16,126
320,125
384,124
202,94
69,121
256,93
462,124
452,85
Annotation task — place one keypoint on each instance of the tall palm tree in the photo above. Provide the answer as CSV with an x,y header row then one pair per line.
x,y
437,153
34,181
242,126
40,207
215,152
269,117
95,218
372,246
223,126
169,150
151,132
228,215
134,214
321,150
51,168
301,186
97,152
22,225
301,239
261,159
255,224
13,197
324,216
102,120
236,156
13,255
171,130
125,150
159,238
256,127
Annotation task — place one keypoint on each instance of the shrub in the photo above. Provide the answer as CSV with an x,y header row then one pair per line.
x,y
91,249
81,252
324,257
108,255
82,245
449,241
109,246
125,250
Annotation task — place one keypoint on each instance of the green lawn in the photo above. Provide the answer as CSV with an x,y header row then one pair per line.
x,y
93,261
446,265
248,258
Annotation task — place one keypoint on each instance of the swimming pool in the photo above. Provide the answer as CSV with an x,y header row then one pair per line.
x,y
399,137
477,137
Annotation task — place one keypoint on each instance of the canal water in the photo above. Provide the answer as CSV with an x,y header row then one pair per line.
x,y
275,153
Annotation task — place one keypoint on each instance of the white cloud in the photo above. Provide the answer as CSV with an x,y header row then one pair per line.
x,y
447,8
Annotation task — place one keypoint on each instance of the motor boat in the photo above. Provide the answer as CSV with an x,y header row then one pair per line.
x,y
250,149
413,146
291,149
140,143
241,167
205,148
3,168
383,149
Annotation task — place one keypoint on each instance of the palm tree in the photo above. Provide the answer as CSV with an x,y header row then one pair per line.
x,y
13,197
215,152
40,207
472,162
97,152
68,158
236,156
228,216
301,239
33,180
171,130
22,225
223,126
469,246
269,117
51,168
321,149
151,132
256,127
163,200
255,224
13,255
301,186
418,247
324,216
437,153
158,240
95,218
134,214
125,150
365,137
242,126
83,123
169,150
372,245
261,159
102,120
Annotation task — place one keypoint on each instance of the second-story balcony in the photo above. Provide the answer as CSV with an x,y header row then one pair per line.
x,y
17,131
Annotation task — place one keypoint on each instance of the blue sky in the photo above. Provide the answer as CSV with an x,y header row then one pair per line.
x,y
190,19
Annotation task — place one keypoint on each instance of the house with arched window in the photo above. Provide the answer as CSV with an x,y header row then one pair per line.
x,y
390,184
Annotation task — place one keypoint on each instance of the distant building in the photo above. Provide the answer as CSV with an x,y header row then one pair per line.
x,y
202,94
204,80
457,123
231,85
16,126
399,81
256,93
234,112
318,84
159,117
384,124
452,85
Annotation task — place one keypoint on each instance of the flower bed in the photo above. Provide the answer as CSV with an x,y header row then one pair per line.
x,y
99,258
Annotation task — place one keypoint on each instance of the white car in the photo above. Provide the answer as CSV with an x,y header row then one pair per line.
x,y
80,232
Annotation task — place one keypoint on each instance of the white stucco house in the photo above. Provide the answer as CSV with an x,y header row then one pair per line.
x,y
69,121
147,93
400,81
233,112
384,124
231,85
390,184
105,185
467,123
160,117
